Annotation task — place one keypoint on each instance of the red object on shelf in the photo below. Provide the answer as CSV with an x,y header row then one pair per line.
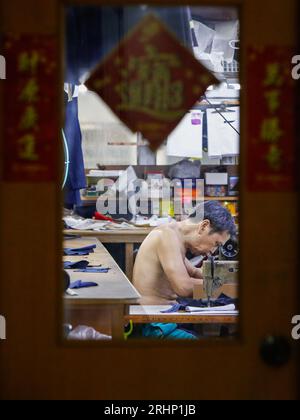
x,y
99,216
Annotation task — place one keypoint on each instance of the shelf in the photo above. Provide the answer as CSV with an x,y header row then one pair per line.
x,y
221,198
94,199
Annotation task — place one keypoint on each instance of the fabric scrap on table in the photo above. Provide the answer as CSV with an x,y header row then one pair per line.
x,y
92,270
79,284
183,303
80,251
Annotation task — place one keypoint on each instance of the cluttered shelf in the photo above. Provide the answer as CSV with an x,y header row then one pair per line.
x,y
93,199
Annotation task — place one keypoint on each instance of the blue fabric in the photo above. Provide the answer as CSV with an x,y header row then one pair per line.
x,y
76,178
80,251
81,284
92,32
223,300
167,331
73,265
93,270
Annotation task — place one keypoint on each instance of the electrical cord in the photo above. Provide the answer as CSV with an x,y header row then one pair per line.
x,y
219,112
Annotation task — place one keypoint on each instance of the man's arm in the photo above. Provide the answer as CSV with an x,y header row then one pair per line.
x,y
173,264
193,271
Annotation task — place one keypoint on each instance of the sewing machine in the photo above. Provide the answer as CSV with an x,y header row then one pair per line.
x,y
218,273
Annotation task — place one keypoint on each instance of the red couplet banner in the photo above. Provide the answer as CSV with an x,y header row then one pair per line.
x,y
271,115
150,80
30,108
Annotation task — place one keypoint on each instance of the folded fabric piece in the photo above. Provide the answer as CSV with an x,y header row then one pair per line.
x,y
73,265
81,284
93,270
183,303
80,251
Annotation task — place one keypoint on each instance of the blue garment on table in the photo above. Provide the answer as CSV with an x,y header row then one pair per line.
x,y
86,250
167,331
73,265
70,253
223,300
93,270
82,284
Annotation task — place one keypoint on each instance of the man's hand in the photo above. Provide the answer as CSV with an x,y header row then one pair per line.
x,y
194,272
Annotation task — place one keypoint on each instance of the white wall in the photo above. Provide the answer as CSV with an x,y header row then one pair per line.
x,y
99,127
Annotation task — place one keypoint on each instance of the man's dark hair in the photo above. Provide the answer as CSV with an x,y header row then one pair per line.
x,y
219,217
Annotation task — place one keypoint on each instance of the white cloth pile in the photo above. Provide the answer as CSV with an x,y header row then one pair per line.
x,y
96,225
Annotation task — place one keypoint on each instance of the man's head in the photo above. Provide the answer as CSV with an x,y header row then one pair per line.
x,y
214,226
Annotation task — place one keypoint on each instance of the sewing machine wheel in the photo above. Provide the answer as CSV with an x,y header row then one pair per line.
x,y
230,250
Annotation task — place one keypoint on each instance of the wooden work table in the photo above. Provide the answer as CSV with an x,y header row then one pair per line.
x,y
105,306
115,301
153,314
129,237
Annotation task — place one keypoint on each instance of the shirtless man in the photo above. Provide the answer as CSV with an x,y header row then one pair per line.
x,y
162,272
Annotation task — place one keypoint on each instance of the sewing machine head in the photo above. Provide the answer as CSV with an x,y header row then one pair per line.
x,y
217,274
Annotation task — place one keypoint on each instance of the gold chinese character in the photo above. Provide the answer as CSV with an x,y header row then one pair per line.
x,y
135,94
29,118
270,130
30,92
147,84
273,77
150,31
28,62
27,149
274,157
273,101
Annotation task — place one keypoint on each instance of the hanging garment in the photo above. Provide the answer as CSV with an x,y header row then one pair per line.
x,y
222,139
76,176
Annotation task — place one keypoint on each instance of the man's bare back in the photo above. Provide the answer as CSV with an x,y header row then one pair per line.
x,y
149,277
162,272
